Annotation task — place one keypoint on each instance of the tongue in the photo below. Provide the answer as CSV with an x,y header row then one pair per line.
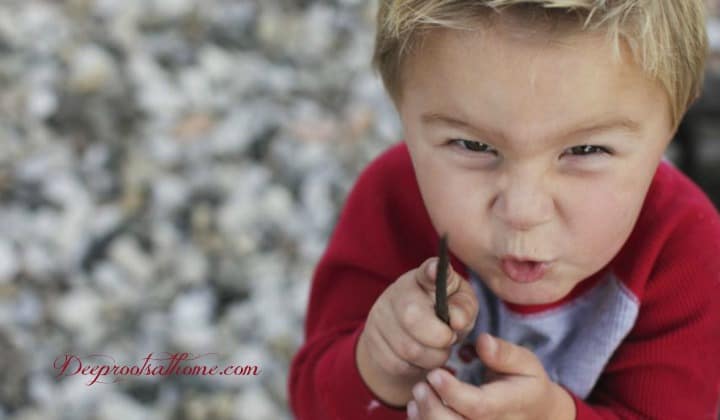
x,y
524,267
522,271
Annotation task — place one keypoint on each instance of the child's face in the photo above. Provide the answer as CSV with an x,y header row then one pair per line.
x,y
523,185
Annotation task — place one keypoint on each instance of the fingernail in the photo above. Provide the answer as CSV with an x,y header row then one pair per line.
x,y
491,344
432,267
457,315
436,378
419,392
412,410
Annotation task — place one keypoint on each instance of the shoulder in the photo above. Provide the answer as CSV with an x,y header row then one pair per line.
x,y
388,188
390,173
680,218
675,244
385,216
671,265
673,193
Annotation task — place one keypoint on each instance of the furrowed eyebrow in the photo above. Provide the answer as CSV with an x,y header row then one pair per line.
x,y
435,118
621,123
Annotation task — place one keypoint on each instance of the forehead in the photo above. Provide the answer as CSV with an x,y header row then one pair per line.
x,y
504,74
492,56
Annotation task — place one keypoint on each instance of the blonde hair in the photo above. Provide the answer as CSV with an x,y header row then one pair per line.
x,y
667,37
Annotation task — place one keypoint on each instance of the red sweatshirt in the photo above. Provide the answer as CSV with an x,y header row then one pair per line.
x,y
640,339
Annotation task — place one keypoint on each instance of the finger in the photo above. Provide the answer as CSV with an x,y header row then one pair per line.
x,y
412,410
429,406
382,353
416,316
426,275
414,353
508,358
463,309
485,401
404,344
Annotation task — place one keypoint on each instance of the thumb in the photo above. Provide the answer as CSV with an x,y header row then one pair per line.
x,y
426,276
507,358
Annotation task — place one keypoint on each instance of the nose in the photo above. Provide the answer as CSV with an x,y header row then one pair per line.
x,y
522,202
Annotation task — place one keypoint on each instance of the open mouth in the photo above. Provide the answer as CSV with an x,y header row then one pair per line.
x,y
523,271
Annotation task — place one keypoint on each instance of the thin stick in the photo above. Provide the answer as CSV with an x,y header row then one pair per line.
x,y
441,303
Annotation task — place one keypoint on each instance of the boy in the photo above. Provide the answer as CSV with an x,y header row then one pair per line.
x,y
585,275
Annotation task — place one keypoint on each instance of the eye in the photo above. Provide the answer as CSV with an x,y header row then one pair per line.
x,y
473,146
588,149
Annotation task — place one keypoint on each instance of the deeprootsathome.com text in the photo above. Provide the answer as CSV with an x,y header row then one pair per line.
x,y
170,364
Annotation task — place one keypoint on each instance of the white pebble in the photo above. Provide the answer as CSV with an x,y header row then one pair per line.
x,y
77,309
126,253
91,69
255,404
116,406
9,265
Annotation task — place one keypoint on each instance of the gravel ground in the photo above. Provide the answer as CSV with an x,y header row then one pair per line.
x,y
170,171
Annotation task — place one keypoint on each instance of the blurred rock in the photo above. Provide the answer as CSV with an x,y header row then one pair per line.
x,y
198,407
79,311
191,326
126,254
29,310
255,404
9,265
91,69
37,260
170,9
117,406
42,102
192,266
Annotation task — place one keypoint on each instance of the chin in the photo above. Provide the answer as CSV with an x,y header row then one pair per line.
x,y
530,294
538,299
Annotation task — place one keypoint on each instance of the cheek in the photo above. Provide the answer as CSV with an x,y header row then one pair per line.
x,y
601,223
440,191
452,197
454,201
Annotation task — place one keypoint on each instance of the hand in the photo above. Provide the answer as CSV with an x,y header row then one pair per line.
x,y
403,339
519,390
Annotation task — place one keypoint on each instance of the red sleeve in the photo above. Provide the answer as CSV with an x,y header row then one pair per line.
x,y
383,232
669,365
